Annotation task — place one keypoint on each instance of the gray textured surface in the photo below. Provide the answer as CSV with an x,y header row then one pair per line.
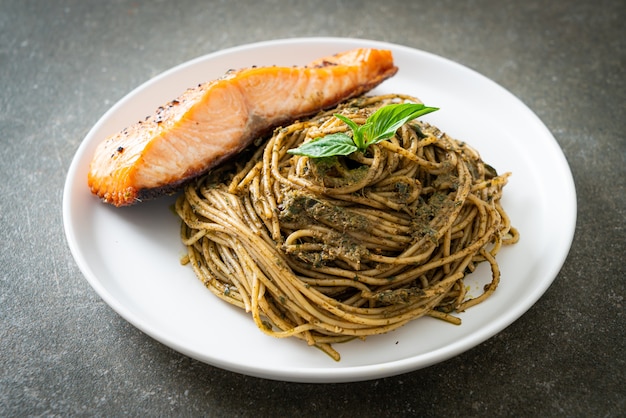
x,y
64,63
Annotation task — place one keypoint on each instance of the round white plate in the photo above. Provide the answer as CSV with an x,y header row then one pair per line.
x,y
131,255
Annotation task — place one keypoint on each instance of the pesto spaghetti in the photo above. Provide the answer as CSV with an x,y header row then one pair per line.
x,y
342,247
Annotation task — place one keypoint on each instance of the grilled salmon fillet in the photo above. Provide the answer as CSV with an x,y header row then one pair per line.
x,y
215,120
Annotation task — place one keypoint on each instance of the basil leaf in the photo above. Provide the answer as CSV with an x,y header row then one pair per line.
x,y
327,146
387,120
352,124
381,125
357,131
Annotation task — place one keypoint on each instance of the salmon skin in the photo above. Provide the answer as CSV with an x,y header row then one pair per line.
x,y
215,120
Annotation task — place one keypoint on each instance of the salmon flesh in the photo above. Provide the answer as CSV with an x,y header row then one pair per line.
x,y
215,120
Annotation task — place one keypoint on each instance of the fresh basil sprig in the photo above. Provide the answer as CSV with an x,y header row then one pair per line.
x,y
381,125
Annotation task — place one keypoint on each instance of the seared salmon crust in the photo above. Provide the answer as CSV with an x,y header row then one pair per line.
x,y
215,120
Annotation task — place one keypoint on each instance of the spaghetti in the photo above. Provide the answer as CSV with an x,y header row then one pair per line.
x,y
327,250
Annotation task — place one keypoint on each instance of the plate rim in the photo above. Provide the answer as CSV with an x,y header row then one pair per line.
x,y
325,375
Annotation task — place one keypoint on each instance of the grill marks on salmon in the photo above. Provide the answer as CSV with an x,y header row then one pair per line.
x,y
215,120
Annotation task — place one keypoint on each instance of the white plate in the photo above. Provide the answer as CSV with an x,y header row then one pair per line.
x,y
131,255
